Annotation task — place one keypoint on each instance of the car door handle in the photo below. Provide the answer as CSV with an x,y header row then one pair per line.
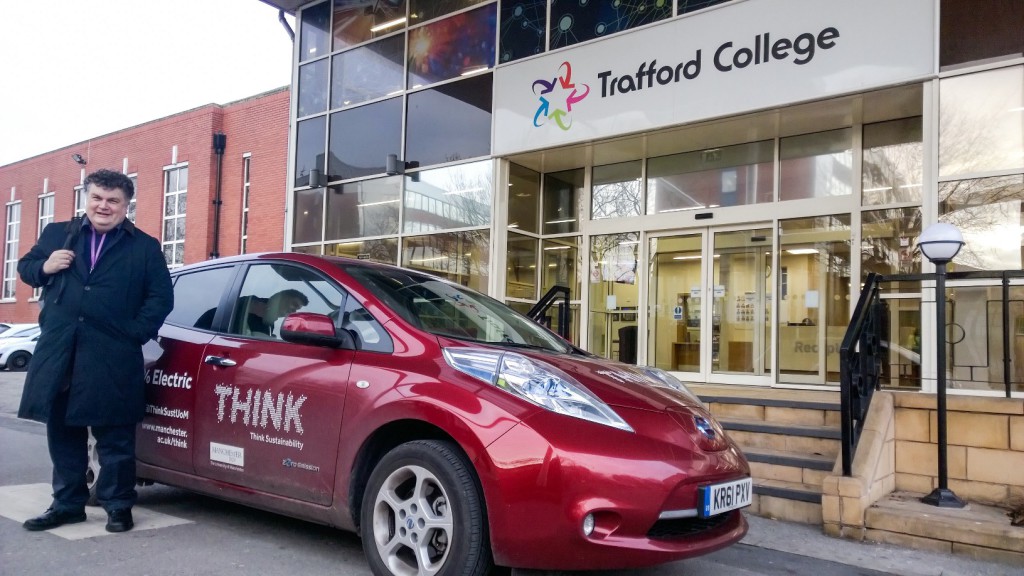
x,y
218,361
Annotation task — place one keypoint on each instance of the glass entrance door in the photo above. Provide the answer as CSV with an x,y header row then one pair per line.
x,y
709,304
741,292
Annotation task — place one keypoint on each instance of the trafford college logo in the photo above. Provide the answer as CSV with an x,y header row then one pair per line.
x,y
557,98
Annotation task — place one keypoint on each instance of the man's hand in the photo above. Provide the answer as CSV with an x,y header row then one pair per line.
x,y
59,260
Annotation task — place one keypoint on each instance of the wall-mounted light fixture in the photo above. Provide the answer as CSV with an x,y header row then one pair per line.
x,y
78,159
394,166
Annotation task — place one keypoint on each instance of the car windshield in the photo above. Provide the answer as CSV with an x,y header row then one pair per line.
x,y
447,309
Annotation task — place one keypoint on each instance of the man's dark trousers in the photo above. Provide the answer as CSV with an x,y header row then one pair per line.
x,y
115,488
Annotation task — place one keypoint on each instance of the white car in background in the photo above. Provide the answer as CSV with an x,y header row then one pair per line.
x,y
18,330
16,351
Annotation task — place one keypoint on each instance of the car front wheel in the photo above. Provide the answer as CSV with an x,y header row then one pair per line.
x,y
423,514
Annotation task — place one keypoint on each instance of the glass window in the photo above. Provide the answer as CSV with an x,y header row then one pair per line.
x,y
364,208
522,29
451,122
312,88
271,292
362,138
523,198
453,47
887,241
246,164
614,296
893,168
364,328
11,249
448,310
452,197
560,258
308,223
313,35
816,165
562,193
462,257
132,203
175,201
574,22
383,250
988,212
79,200
423,10
356,21
981,122
616,190
368,72
521,274
310,139
727,176
814,306
686,6
45,213
197,295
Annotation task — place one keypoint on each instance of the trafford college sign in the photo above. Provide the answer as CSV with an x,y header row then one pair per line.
x,y
740,57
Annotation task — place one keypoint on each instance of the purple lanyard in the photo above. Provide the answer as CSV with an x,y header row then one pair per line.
x,y
96,249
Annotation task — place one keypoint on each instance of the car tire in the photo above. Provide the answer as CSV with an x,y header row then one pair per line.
x,y
92,472
423,505
18,361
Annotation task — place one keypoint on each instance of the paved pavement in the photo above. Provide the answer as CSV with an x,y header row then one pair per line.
x,y
792,538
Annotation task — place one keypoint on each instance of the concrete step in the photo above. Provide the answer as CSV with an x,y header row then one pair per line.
x,y
778,411
978,531
791,501
794,438
809,469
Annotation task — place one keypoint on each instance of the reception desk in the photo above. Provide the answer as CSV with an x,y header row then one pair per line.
x,y
799,348
686,356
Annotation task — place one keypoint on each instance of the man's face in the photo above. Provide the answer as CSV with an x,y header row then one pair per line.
x,y
289,305
105,208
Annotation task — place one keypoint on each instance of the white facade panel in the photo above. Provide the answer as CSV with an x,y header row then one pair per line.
x,y
739,58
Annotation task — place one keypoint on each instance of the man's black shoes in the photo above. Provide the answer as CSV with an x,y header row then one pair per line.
x,y
54,518
120,520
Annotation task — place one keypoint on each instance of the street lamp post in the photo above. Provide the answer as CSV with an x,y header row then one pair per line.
x,y
940,242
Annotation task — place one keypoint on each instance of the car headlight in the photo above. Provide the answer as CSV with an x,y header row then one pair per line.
x,y
663,379
535,381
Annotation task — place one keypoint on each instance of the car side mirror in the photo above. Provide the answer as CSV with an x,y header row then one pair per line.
x,y
315,330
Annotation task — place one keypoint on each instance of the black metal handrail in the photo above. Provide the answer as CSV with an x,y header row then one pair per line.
x,y
539,311
860,365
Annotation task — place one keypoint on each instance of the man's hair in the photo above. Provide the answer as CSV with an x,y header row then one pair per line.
x,y
109,180
294,293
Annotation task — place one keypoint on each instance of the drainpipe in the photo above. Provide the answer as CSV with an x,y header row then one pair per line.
x,y
219,141
287,28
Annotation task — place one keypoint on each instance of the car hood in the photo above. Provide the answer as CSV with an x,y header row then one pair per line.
x,y
615,383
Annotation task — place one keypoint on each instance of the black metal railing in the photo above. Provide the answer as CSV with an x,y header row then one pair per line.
x,y
860,365
861,353
539,313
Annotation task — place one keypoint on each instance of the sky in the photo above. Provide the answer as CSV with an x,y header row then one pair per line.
x,y
71,70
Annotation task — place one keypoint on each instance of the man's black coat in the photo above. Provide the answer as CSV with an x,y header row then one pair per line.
x,y
100,323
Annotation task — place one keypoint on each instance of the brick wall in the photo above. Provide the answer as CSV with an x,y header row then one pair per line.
x,y
257,125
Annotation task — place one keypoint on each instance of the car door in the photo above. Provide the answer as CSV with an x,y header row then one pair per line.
x,y
166,434
269,411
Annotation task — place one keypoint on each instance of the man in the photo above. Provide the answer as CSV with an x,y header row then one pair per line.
x,y
106,291
260,313
263,313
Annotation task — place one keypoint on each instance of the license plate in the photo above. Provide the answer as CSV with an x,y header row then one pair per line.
x,y
718,498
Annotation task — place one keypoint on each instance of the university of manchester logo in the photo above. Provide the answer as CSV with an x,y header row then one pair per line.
x,y
557,98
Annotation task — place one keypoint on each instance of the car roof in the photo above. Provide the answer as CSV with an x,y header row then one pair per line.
x,y
292,257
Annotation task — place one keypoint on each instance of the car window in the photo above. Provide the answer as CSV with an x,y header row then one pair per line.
x,y
272,291
368,333
196,295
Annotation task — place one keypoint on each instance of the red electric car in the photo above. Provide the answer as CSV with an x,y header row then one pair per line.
x,y
450,432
